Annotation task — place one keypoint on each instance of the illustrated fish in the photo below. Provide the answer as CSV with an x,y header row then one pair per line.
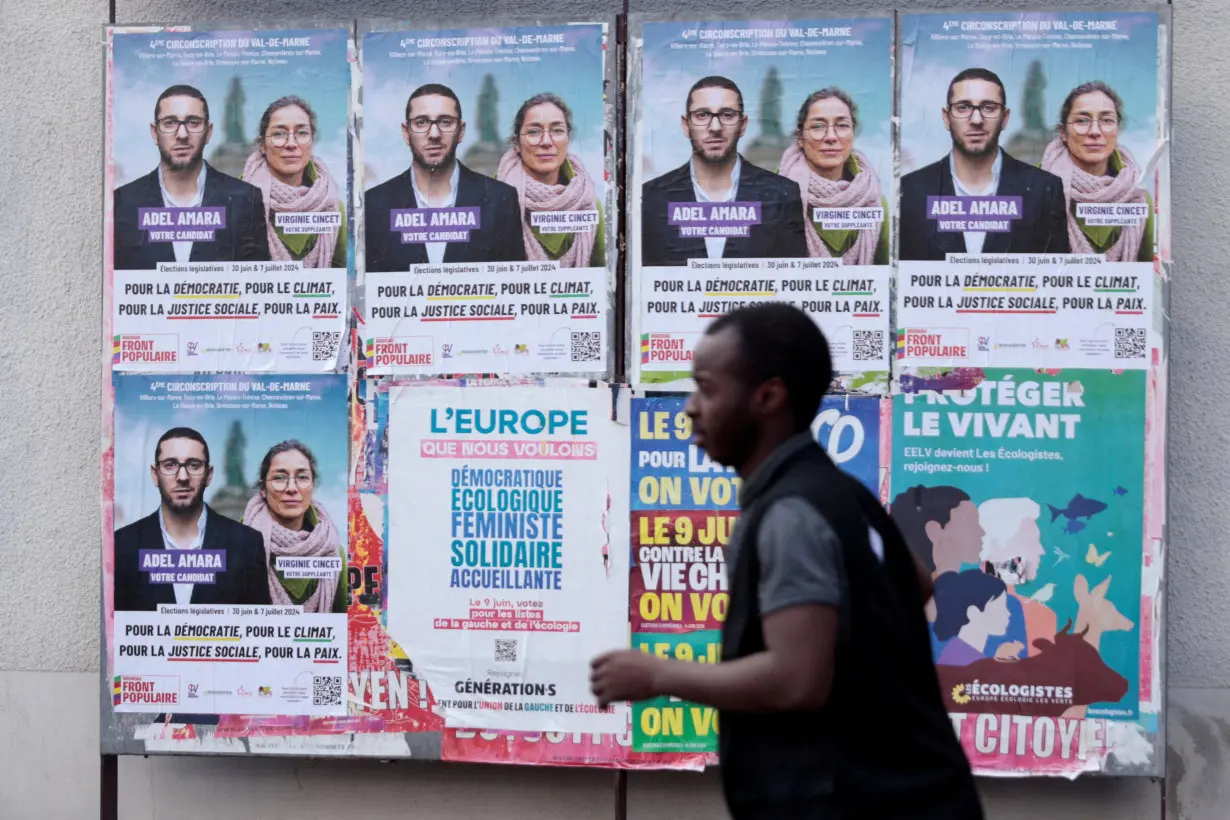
x,y
1060,556
1078,507
1096,558
1120,491
1044,594
1074,526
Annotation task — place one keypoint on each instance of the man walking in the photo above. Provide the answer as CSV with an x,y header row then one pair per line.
x,y
825,633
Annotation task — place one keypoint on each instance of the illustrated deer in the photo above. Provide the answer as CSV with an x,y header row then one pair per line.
x,y
1095,615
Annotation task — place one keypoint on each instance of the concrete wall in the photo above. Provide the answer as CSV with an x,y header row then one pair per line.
x,y
51,150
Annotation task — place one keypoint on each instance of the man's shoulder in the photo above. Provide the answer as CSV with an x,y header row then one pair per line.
x,y
667,180
765,179
1031,173
137,188
494,188
224,182
388,189
128,535
924,177
793,510
230,528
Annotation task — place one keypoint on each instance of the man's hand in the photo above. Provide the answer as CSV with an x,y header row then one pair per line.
x,y
626,674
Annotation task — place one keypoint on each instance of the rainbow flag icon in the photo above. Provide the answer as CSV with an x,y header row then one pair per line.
x,y
644,348
115,359
115,687
900,344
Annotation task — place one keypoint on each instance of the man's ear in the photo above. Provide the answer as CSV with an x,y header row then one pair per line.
x,y
770,397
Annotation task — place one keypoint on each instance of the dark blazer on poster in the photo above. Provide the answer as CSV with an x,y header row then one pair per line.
x,y
779,234
1042,228
498,240
244,239
244,582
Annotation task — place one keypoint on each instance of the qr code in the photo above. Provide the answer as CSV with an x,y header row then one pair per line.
x,y
326,691
324,345
505,650
868,345
1130,343
587,347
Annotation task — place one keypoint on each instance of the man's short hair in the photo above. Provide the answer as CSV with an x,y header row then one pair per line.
x,y
777,340
433,89
181,91
912,509
978,74
713,81
181,432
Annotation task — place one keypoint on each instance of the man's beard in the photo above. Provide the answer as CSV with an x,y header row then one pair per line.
x,y
170,162
698,151
990,146
444,162
192,505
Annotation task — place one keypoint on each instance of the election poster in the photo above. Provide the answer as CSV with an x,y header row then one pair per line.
x,y
489,208
226,237
761,165
228,575
683,510
503,579
1023,492
1032,158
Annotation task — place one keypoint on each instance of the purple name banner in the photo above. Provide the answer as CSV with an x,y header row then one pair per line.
x,y
713,219
982,214
182,224
182,566
421,225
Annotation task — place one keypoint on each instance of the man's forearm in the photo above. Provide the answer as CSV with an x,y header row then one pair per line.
x,y
750,684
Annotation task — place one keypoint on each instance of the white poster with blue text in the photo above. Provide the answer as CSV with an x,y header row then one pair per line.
x,y
507,571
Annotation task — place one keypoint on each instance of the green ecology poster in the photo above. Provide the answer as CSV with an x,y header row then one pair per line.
x,y
1021,490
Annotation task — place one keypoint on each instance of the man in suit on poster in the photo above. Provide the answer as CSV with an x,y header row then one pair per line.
x,y
713,122
183,521
976,114
183,179
436,179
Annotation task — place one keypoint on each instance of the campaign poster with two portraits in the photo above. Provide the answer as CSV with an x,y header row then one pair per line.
x,y
1030,179
761,170
227,235
229,586
489,207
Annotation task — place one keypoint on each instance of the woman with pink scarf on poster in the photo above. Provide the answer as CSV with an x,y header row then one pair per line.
x,y
549,178
295,526
831,174
293,181
1095,169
